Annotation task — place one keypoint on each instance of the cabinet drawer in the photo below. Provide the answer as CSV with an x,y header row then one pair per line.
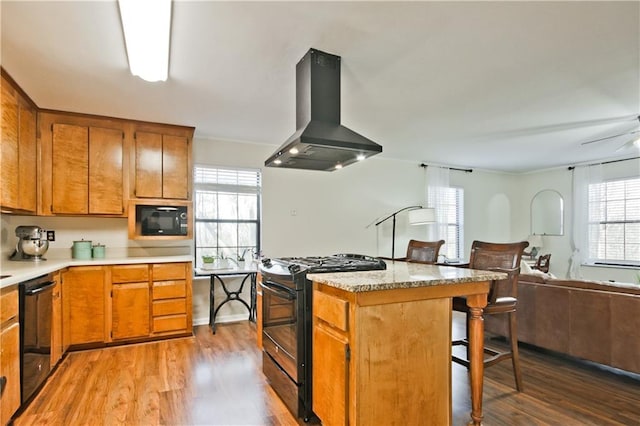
x,y
169,323
169,307
331,309
169,271
8,305
129,273
169,289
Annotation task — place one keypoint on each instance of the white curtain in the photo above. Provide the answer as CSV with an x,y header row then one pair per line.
x,y
437,185
582,177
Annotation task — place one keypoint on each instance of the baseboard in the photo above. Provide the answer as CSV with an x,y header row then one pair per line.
x,y
221,319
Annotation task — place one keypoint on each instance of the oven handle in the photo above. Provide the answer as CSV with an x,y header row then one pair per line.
x,y
279,290
40,289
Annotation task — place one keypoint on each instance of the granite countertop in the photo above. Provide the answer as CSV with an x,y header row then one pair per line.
x,y
403,275
22,271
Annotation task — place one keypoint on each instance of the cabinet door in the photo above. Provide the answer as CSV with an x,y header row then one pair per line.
x,y
56,323
330,377
105,171
27,158
148,165
175,167
83,304
130,310
70,169
9,148
10,370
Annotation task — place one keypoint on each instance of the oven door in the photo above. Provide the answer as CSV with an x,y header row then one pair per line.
x,y
280,322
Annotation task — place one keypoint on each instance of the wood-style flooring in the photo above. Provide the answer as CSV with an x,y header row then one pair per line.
x,y
217,380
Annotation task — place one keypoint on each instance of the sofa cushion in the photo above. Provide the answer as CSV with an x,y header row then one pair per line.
x,y
609,286
532,278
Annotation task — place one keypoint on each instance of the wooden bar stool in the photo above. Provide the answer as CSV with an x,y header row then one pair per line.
x,y
502,299
423,251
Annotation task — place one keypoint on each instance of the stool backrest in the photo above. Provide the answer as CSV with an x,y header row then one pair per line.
x,y
423,251
502,257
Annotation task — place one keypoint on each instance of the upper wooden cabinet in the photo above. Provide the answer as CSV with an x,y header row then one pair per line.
x,y
18,154
86,170
63,163
162,165
82,165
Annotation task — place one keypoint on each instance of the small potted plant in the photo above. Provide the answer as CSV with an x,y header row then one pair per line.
x,y
208,261
241,259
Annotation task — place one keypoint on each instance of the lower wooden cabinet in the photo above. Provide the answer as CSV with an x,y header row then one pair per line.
x,y
171,295
83,290
9,354
56,321
381,357
120,303
129,301
259,311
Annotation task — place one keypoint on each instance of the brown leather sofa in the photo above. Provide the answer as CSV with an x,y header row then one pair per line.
x,y
593,320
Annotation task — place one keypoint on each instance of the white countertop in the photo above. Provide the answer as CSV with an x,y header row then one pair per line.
x,y
403,275
25,270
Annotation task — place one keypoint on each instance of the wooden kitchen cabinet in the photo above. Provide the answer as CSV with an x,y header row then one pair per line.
x,y
86,170
369,371
162,165
56,321
9,353
171,295
130,301
18,150
259,310
83,293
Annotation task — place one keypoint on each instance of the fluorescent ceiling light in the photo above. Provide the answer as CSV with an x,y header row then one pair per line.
x,y
147,26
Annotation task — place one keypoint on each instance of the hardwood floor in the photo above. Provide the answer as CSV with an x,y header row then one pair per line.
x,y
216,379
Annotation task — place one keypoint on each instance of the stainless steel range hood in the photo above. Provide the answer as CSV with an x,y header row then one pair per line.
x,y
320,141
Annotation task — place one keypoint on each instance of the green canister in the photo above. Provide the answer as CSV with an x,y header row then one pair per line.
x,y
98,251
81,250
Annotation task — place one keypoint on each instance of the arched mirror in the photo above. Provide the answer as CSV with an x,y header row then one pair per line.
x,y
547,213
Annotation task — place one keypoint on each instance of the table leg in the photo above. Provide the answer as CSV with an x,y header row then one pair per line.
x,y
212,317
476,303
230,296
252,314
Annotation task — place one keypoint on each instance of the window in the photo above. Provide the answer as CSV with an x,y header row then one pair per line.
x,y
614,222
227,212
452,205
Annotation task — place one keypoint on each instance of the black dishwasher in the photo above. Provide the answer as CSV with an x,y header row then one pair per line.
x,y
36,317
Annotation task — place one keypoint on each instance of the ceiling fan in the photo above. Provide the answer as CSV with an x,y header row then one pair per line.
x,y
633,134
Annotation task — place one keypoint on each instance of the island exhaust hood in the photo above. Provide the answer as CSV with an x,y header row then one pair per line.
x,y
320,141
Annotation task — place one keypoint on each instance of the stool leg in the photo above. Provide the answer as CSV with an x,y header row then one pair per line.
x,y
515,359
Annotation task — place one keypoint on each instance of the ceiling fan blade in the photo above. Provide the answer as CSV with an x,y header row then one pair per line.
x,y
629,144
614,136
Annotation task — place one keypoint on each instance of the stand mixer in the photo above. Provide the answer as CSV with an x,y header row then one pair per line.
x,y
32,244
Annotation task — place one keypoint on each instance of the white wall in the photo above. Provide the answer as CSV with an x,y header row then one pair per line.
x,y
309,213
560,247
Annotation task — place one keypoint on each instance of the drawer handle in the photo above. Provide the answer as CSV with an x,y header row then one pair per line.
x,y
3,384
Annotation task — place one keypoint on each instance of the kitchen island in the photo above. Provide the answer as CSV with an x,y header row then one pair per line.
x,y
382,343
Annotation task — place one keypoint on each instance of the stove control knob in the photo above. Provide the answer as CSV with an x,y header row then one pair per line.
x,y
294,268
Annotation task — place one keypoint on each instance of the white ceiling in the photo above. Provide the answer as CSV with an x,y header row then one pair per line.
x,y
510,86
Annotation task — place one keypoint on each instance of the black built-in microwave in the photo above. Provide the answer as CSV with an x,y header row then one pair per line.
x,y
162,220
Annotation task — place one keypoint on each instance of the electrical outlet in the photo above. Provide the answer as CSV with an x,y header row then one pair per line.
x,y
51,235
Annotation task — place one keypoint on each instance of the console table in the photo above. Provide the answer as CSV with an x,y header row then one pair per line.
x,y
247,273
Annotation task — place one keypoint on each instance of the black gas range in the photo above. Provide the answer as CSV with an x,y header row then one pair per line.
x,y
287,325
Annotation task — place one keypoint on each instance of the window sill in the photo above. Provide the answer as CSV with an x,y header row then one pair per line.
x,y
610,265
